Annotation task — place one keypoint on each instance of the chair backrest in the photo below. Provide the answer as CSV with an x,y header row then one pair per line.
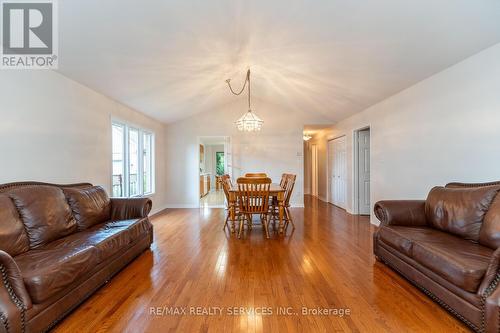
x,y
256,175
284,178
289,184
226,185
253,195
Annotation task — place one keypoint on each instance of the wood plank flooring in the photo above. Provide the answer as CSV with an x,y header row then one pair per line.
x,y
215,198
327,263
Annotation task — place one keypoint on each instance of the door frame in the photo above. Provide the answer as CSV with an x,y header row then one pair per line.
x,y
227,162
314,170
355,168
329,167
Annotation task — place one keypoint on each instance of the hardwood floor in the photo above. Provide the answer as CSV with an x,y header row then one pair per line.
x,y
326,263
215,198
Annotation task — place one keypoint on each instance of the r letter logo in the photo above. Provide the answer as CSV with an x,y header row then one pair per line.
x,y
29,34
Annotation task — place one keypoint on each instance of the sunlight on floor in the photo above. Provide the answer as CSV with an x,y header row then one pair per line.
x,y
214,199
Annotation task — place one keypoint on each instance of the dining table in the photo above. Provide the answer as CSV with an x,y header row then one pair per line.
x,y
275,191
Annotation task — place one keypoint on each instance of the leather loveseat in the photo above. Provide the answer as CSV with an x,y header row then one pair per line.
x,y
449,247
58,245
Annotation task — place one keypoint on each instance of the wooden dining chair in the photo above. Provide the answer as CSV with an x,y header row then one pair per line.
x,y
226,186
256,175
253,199
288,184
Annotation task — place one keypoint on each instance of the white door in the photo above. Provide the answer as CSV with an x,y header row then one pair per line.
x,y
338,171
314,170
364,172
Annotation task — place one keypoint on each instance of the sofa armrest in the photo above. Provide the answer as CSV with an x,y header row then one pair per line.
x,y
491,273
14,298
130,208
401,212
491,304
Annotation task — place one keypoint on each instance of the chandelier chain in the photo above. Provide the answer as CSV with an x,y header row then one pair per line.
x,y
247,81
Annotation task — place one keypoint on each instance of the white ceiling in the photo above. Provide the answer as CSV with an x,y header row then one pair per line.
x,y
169,58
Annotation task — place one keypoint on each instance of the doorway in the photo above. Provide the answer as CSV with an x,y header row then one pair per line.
x,y
214,161
314,170
362,171
337,172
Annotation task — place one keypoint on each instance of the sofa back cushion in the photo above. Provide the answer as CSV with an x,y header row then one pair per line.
x,y
45,213
90,206
490,230
13,237
459,211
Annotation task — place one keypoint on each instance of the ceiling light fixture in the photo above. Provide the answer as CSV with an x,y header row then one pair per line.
x,y
249,122
307,137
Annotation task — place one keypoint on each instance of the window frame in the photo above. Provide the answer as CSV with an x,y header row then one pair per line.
x,y
127,127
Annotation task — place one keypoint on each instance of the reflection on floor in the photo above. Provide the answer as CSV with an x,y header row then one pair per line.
x,y
214,199
326,264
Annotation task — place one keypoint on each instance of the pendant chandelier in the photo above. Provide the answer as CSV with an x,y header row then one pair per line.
x,y
249,122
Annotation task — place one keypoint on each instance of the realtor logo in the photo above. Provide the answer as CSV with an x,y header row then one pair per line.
x,y
29,34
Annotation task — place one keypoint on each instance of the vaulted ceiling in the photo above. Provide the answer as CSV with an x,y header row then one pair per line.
x,y
169,59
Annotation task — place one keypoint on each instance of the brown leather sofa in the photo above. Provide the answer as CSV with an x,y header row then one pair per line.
x,y
58,245
449,247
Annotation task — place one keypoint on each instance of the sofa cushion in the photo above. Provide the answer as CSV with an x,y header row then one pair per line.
x,y
45,213
396,238
108,238
458,261
13,237
137,228
490,230
106,241
90,205
47,272
111,237
459,211
401,238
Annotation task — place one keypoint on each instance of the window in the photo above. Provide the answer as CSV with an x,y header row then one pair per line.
x,y
133,161
118,160
219,163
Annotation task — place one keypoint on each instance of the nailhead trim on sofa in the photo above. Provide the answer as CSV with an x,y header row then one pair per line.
x,y
9,186
435,298
20,305
5,322
491,288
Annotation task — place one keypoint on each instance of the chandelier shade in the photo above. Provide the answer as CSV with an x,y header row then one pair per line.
x,y
249,122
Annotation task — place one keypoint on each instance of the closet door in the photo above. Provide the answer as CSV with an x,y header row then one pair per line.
x,y
338,171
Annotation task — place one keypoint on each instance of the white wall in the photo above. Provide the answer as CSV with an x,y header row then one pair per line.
x,y
445,128
53,129
278,148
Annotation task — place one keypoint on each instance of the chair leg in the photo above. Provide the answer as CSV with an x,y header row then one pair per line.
x,y
241,227
225,223
266,226
289,218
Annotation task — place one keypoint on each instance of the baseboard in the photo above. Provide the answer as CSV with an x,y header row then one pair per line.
x,y
322,198
158,212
